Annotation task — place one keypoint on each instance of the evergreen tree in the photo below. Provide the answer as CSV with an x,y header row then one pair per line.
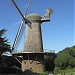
x,y
4,44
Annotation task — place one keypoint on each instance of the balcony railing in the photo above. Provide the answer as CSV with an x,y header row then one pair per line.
x,y
49,51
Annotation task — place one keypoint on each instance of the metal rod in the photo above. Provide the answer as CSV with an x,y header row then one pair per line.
x,y
17,60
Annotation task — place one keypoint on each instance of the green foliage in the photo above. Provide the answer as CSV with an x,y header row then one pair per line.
x,y
3,40
65,59
66,71
4,44
43,73
2,32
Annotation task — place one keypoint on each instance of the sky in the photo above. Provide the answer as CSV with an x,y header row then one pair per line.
x,y
56,34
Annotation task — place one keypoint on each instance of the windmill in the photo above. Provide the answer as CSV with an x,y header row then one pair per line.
x,y
33,53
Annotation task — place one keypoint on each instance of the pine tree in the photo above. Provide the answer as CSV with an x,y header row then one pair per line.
x,y
4,44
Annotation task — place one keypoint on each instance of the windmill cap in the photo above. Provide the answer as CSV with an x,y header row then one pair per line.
x,y
34,17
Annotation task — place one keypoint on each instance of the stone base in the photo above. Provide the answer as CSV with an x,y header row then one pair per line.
x,y
33,63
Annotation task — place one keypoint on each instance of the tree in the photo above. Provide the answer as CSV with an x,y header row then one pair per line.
x,y
4,44
65,58
6,64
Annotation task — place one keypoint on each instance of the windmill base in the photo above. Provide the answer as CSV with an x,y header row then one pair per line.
x,y
33,63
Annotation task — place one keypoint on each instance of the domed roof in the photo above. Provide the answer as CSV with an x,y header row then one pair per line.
x,y
34,17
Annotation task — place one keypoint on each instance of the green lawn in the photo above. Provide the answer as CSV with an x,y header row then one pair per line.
x,y
67,72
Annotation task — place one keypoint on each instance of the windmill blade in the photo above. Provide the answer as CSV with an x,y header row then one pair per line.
x,y
21,29
27,8
29,23
18,10
17,36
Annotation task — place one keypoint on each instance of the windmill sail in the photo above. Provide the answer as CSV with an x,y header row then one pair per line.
x,y
21,27
27,8
18,36
18,10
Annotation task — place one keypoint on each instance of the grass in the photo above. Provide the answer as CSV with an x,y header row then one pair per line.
x,y
67,71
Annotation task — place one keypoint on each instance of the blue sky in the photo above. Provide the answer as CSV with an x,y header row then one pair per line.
x,y
57,34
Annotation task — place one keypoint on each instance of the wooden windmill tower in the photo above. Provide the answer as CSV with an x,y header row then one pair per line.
x,y
33,54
